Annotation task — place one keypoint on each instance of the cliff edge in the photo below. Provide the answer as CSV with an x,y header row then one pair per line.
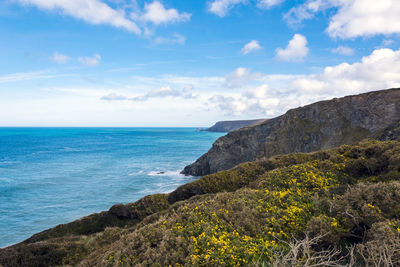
x,y
321,125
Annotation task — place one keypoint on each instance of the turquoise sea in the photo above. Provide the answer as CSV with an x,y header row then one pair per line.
x,y
50,176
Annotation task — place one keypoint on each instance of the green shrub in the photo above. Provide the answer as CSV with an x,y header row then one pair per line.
x,y
336,204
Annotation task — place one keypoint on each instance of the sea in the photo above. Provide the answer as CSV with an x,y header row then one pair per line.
x,y
50,176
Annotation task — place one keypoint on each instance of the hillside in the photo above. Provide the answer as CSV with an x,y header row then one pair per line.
x,y
321,125
228,126
338,206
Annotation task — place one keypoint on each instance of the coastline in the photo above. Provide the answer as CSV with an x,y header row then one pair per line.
x,y
63,179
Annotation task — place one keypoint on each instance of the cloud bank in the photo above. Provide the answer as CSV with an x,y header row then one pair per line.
x,y
277,93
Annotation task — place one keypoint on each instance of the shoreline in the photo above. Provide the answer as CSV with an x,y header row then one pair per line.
x,y
61,185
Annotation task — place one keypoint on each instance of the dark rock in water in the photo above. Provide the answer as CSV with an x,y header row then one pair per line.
x,y
227,126
321,125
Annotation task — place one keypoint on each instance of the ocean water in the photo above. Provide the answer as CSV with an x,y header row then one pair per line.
x,y
50,176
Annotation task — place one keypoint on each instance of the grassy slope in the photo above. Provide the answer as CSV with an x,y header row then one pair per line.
x,y
248,215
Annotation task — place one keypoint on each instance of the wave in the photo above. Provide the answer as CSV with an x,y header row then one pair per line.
x,y
9,162
135,173
174,174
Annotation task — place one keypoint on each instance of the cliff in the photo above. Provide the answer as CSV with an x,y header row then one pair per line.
x,y
227,126
321,125
289,210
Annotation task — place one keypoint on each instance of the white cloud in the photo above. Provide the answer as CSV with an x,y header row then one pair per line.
x,y
296,50
60,58
365,18
90,61
253,45
175,38
343,50
268,3
228,104
239,77
379,70
305,11
309,85
90,11
352,18
162,92
222,7
278,93
169,99
34,75
158,14
99,12
187,88
113,97
258,101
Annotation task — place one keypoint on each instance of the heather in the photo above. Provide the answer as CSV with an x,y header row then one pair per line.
x,y
328,208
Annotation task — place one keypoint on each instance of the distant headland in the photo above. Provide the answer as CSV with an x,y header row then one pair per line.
x,y
228,126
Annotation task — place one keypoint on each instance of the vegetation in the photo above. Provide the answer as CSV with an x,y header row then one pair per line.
x,y
329,208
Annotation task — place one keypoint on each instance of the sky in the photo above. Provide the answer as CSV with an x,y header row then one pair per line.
x,y
139,63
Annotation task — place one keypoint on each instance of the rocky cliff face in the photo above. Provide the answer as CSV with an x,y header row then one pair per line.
x,y
227,126
321,125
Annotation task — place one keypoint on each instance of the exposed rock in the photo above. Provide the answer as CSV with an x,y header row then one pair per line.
x,y
227,126
321,125
390,133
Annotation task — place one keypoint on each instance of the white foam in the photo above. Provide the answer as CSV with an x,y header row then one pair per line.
x,y
173,174
135,173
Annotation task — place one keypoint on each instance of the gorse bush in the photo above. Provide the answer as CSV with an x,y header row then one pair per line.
x,y
329,208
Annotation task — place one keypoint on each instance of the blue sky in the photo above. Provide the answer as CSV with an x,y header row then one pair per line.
x,y
188,63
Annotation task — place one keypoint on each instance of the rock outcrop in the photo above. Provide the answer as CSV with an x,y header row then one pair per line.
x,y
227,126
321,125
